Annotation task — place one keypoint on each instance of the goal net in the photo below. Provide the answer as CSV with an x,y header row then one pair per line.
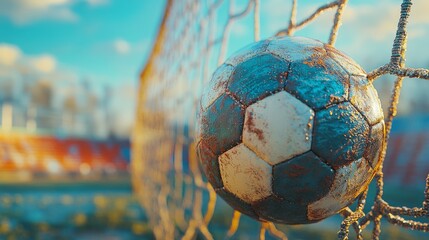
x,y
195,36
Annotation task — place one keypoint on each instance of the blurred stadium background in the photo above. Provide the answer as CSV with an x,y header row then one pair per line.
x,y
65,123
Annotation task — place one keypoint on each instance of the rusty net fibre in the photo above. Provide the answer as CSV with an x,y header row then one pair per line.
x,y
166,174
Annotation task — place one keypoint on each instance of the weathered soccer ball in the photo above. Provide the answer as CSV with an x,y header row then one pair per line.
x,y
290,130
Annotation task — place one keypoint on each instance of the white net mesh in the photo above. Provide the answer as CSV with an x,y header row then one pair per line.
x,y
193,39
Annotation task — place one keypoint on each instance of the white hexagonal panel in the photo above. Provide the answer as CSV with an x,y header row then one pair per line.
x,y
296,48
216,86
245,174
348,183
278,127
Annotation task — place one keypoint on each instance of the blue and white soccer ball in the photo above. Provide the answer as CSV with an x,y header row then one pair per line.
x,y
290,130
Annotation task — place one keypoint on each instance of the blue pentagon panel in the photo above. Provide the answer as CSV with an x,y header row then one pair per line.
x,y
222,124
280,211
216,86
375,144
350,181
257,78
318,82
345,61
365,99
236,203
248,52
210,164
296,48
303,179
340,134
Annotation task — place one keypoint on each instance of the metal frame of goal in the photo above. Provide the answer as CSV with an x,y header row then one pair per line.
x,y
192,40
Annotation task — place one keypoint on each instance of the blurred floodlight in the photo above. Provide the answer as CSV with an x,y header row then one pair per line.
x,y
84,168
53,167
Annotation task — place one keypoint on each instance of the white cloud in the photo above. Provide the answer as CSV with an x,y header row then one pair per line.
x,y
367,31
379,20
366,20
9,54
416,32
121,46
375,21
24,11
12,60
42,3
419,13
44,63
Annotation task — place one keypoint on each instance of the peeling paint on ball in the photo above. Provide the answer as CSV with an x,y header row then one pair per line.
x,y
290,130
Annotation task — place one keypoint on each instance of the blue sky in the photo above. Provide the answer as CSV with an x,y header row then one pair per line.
x,y
105,41
108,41
76,43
